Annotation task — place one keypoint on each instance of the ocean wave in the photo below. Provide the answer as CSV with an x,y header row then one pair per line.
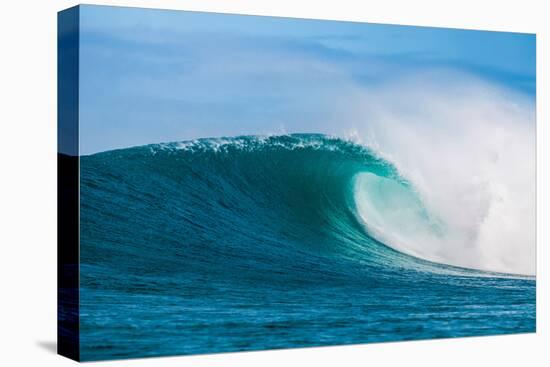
x,y
289,196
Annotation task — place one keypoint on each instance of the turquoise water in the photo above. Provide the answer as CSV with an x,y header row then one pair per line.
x,y
252,243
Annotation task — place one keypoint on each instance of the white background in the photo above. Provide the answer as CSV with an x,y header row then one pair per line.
x,y
28,183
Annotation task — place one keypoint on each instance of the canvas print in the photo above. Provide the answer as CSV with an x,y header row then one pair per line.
x,y
234,183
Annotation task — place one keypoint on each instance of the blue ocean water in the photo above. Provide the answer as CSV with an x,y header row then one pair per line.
x,y
252,243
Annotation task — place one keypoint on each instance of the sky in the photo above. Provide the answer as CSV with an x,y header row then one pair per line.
x,y
151,76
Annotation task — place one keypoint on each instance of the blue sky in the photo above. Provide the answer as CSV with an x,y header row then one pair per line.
x,y
149,76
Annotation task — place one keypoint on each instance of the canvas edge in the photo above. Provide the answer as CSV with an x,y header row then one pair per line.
x,y
68,237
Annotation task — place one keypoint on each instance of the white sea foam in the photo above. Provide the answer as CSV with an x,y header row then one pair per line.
x,y
468,148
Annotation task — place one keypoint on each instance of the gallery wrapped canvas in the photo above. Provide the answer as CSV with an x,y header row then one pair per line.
x,y
234,183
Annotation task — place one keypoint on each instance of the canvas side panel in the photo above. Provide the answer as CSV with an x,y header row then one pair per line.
x,y
68,343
